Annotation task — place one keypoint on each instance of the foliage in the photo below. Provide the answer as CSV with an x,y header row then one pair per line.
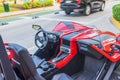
x,y
37,4
116,12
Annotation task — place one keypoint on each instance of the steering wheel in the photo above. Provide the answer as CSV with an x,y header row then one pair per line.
x,y
41,40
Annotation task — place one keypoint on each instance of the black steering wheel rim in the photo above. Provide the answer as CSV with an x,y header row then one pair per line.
x,y
43,40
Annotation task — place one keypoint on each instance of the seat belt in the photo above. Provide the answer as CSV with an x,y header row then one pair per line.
x,y
5,63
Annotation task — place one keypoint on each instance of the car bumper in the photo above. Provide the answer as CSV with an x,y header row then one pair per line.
x,y
71,7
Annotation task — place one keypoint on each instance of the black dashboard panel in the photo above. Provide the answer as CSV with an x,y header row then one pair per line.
x,y
85,48
66,38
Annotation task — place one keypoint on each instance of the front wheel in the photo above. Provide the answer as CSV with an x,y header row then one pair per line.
x,y
67,12
87,10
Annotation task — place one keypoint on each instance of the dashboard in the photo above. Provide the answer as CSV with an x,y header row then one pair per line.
x,y
52,37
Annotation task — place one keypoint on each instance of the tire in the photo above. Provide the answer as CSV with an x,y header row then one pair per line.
x,y
87,10
102,7
67,12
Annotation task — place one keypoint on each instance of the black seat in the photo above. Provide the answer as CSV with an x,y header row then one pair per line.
x,y
26,62
6,70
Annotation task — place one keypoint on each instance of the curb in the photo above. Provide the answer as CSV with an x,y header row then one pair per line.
x,y
115,22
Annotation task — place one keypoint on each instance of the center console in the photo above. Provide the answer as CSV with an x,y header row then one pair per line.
x,y
44,68
48,68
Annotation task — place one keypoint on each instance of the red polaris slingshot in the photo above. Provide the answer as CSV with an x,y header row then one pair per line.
x,y
71,51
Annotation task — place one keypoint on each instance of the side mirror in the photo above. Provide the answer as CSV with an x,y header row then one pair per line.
x,y
36,27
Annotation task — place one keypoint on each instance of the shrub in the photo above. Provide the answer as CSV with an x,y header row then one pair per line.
x,y
39,4
27,5
36,4
116,12
48,2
